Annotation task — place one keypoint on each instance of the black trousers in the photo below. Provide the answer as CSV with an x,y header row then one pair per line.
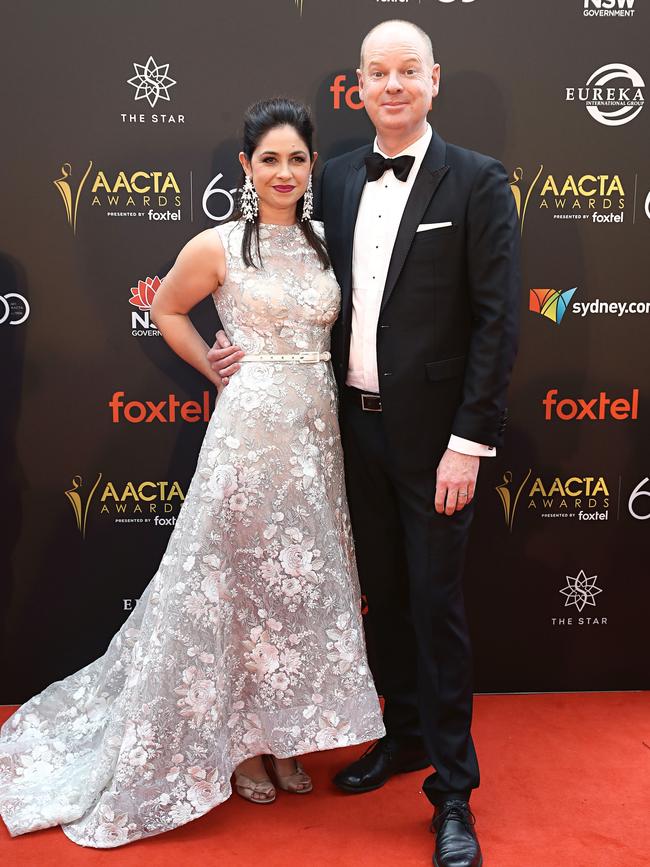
x,y
410,562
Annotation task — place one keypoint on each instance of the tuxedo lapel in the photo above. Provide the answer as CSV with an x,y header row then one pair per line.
x,y
354,183
432,171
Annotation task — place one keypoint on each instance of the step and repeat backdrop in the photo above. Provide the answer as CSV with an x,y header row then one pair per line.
x,y
121,127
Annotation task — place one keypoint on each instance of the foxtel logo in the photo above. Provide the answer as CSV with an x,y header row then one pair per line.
x,y
596,409
165,411
350,94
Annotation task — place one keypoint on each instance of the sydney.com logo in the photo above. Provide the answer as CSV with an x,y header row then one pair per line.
x,y
554,303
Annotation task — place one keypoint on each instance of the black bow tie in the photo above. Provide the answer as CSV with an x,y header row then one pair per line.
x,y
376,165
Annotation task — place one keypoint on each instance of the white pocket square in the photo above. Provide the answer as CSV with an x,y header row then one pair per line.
x,y
424,227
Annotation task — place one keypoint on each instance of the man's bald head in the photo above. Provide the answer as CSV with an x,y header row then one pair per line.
x,y
396,27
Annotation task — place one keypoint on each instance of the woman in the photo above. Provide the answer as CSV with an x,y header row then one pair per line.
x,y
248,641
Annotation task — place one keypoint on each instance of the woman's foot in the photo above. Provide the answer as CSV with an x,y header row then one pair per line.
x,y
291,776
253,783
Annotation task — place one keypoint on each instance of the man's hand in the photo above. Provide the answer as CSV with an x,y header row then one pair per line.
x,y
223,357
455,481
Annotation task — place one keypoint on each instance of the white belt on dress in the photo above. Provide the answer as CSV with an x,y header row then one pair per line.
x,y
296,357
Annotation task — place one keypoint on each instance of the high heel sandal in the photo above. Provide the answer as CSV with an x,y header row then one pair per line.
x,y
248,787
298,782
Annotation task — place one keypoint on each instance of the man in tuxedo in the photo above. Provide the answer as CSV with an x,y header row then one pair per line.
x,y
423,238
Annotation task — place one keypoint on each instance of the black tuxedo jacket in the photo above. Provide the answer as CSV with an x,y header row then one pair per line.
x,y
447,331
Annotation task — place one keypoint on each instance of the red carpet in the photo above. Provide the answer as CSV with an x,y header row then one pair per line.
x,y
566,783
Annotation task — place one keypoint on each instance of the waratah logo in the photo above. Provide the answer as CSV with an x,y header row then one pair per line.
x,y
144,293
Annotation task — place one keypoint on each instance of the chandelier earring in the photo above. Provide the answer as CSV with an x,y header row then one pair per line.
x,y
308,202
248,200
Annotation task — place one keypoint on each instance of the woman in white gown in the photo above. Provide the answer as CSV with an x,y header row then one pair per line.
x,y
248,640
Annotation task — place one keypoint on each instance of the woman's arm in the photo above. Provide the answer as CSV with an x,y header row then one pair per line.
x,y
198,271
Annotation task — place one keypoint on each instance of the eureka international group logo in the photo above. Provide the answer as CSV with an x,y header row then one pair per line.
x,y
613,94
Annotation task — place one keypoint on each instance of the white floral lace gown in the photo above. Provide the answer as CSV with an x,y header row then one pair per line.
x,y
249,638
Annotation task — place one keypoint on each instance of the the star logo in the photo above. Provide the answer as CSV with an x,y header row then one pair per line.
x,y
151,81
581,590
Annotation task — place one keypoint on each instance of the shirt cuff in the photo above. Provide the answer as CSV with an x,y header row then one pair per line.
x,y
468,447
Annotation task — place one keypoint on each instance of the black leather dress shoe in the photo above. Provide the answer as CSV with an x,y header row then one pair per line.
x,y
381,761
456,842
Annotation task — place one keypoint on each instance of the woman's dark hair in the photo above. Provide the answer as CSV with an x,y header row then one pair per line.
x,y
260,118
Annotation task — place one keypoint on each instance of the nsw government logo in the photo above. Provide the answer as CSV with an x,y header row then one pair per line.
x,y
608,8
152,84
142,297
580,591
613,94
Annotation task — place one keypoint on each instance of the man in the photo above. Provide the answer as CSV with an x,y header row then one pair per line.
x,y
423,239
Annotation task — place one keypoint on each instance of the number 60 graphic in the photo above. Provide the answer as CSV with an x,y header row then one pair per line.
x,y
636,493
226,202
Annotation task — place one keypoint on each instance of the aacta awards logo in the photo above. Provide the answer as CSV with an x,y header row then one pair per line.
x,y
608,8
152,195
142,297
597,198
595,409
522,191
166,411
70,190
147,502
586,498
80,498
152,84
580,592
613,94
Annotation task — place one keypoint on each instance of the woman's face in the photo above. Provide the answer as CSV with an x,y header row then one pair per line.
x,y
280,167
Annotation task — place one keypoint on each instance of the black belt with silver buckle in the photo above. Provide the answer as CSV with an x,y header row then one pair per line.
x,y
368,402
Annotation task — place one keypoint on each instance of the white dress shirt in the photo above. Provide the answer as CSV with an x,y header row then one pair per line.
x,y
380,213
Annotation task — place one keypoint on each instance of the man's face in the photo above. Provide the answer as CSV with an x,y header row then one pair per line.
x,y
397,81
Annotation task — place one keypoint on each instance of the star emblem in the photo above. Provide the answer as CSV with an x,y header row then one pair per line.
x,y
151,81
581,590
